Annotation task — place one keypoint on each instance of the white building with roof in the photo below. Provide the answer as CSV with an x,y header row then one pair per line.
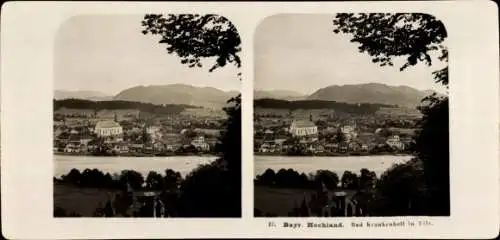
x,y
395,142
349,132
200,143
108,129
303,128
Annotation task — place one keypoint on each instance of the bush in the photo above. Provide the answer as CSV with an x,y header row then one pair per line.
x,y
206,193
291,179
155,181
131,178
349,180
267,178
329,178
401,191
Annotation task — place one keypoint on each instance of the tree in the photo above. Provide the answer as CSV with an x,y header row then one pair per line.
x,y
367,179
145,137
204,193
132,178
172,179
401,191
339,136
194,37
155,181
329,178
432,146
267,178
416,36
349,180
73,177
386,36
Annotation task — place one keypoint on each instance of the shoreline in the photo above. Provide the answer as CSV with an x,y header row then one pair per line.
x,y
334,155
133,155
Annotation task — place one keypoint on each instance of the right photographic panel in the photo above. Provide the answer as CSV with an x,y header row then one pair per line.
x,y
351,116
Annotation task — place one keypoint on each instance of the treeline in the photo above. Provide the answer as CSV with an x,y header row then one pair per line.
x,y
289,178
94,178
115,105
362,108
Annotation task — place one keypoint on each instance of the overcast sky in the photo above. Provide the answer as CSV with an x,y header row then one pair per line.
x,y
299,52
109,54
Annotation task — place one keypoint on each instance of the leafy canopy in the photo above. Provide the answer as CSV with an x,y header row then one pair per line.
x,y
194,37
385,36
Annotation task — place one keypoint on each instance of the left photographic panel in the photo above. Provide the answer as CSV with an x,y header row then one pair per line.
x,y
147,118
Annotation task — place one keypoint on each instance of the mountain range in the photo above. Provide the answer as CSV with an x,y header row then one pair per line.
x,y
212,97
371,93
357,93
161,94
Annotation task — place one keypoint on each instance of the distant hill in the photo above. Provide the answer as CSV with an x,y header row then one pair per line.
x,y
177,94
87,95
278,94
371,93
364,108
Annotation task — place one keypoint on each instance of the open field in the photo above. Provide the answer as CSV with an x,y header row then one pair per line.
x,y
80,200
280,201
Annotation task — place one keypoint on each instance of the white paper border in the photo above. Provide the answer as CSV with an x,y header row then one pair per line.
x,y
27,38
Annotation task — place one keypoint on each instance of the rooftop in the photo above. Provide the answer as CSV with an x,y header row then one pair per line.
x,y
302,124
107,124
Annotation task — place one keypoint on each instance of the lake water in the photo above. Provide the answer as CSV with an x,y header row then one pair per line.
x,y
182,164
307,165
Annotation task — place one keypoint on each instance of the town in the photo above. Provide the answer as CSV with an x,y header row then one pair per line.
x,y
329,133
131,132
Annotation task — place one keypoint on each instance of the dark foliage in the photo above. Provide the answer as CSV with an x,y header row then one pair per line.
x,y
194,37
289,178
339,136
328,178
172,179
155,181
349,180
100,105
367,179
401,191
212,190
363,108
432,146
205,193
131,178
267,178
91,178
94,178
385,36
